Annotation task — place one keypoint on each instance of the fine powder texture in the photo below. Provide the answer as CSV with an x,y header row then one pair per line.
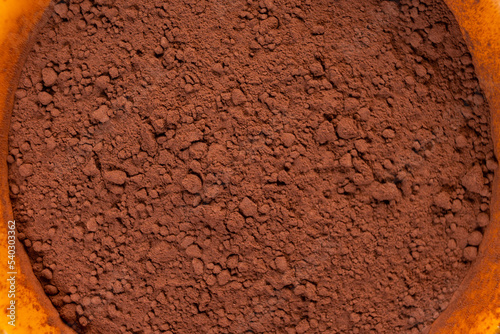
x,y
228,166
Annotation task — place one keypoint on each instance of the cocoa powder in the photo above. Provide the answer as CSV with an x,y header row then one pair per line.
x,y
250,166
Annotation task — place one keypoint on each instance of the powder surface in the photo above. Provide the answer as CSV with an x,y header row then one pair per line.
x,y
250,166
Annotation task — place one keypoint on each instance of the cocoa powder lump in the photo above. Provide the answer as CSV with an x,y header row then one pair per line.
x,y
250,167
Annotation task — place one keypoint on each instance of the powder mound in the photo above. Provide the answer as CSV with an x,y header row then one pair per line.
x,y
162,253
45,98
325,133
100,115
346,128
442,200
92,225
474,180
49,76
470,253
288,139
192,183
384,191
250,166
238,97
115,176
248,208
26,170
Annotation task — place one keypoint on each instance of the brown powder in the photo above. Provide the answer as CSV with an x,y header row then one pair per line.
x,y
250,167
